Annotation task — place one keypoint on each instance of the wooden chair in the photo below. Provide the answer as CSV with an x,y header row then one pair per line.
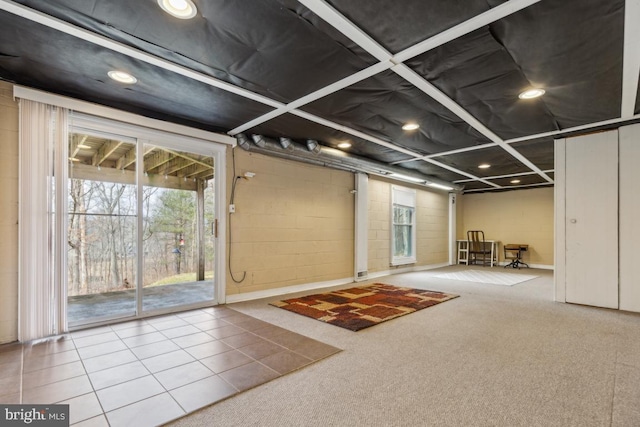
x,y
478,249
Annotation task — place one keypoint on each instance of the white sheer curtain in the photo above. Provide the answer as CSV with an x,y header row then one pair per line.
x,y
43,147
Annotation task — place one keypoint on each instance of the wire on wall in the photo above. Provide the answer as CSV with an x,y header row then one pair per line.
x,y
231,201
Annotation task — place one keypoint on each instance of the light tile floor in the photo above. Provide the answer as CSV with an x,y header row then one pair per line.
x,y
151,371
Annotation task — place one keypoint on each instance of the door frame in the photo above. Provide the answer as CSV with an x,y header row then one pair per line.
x,y
102,126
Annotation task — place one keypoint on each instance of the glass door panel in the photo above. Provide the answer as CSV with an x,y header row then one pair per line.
x,y
178,225
102,229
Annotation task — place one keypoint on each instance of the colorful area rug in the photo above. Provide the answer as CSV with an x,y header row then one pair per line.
x,y
361,307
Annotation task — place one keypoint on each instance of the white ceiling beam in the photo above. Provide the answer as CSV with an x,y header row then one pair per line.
x,y
472,24
331,15
355,34
586,127
353,132
510,187
511,175
631,62
72,30
346,27
313,96
459,172
447,153
435,93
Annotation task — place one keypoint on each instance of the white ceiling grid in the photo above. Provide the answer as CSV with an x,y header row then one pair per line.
x,y
631,72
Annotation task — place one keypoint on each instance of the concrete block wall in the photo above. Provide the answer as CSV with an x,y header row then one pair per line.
x,y
8,214
432,237
432,222
520,216
294,224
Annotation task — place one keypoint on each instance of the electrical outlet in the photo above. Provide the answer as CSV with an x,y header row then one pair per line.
x,y
232,208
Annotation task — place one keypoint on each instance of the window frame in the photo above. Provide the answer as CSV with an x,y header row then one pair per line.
x,y
404,197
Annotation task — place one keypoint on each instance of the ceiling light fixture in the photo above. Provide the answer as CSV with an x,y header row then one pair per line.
x,y
122,77
440,186
84,146
74,159
484,166
410,126
344,145
515,181
181,9
531,93
407,178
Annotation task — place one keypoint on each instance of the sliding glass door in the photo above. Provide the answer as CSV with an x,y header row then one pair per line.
x,y
141,227
102,229
178,226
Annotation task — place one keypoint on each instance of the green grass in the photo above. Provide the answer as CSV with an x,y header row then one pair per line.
x,y
180,278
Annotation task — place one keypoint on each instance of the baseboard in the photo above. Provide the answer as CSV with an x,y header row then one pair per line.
x,y
269,293
406,270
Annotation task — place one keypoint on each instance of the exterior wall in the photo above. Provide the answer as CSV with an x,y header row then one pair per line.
x,y
8,214
520,216
432,225
294,223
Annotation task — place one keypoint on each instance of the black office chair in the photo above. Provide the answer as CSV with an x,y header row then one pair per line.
x,y
478,249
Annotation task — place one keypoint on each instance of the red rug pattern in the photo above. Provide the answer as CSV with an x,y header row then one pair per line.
x,y
361,307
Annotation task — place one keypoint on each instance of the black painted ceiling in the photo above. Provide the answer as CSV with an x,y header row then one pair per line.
x,y
455,67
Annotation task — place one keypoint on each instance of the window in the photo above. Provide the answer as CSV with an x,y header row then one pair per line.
x,y
403,225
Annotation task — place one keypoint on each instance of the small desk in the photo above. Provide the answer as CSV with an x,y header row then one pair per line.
x,y
516,250
463,251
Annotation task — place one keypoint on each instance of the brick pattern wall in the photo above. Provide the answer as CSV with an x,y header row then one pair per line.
x,y
432,222
294,224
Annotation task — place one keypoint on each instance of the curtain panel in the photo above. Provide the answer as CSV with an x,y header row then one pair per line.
x,y
43,144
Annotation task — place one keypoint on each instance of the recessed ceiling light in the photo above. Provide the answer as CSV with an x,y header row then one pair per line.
x,y
122,77
344,145
410,126
182,9
515,181
531,93
484,166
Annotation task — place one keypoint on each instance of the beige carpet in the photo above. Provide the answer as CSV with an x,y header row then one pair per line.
x,y
496,356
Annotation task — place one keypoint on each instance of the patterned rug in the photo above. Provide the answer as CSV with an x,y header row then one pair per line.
x,y
361,307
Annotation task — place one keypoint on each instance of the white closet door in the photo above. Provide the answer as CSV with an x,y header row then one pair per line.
x,y
592,219
629,218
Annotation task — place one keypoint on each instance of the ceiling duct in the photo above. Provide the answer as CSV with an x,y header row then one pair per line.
x,y
337,159
313,146
286,143
259,140
243,142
